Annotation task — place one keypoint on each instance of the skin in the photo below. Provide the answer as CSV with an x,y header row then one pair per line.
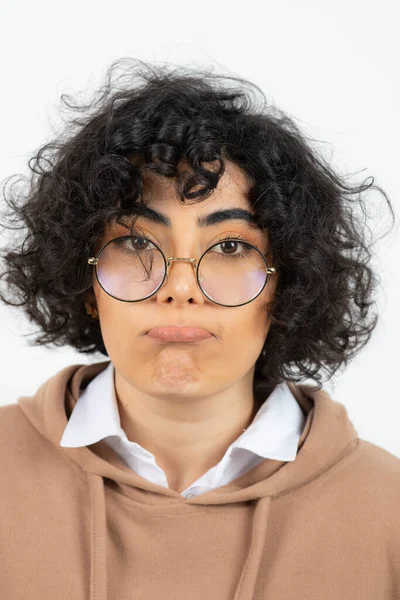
x,y
186,403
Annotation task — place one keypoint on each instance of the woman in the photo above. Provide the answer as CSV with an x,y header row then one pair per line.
x,y
192,463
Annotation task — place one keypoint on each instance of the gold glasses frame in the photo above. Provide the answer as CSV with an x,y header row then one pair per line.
x,y
93,260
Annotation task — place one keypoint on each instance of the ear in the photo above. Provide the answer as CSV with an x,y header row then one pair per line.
x,y
90,297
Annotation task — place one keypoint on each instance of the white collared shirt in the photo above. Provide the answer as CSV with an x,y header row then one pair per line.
x,y
274,433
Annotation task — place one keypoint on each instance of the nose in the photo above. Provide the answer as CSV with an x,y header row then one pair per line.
x,y
181,287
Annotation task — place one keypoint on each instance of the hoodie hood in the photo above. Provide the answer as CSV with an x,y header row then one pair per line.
x,y
328,436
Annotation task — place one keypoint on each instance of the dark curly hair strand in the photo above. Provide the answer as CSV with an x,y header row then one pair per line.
x,y
153,118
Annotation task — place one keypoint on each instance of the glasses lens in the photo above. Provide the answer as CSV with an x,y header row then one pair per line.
x,y
231,273
130,268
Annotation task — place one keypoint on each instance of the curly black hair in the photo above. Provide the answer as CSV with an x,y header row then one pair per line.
x,y
152,117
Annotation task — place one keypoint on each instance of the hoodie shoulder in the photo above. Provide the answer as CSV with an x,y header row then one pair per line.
x,y
378,477
385,487
28,451
379,459
12,420
13,425
20,441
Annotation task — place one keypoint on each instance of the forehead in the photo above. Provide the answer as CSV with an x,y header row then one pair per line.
x,y
226,206
164,208
232,190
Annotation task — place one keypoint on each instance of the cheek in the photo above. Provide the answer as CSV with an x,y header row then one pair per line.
x,y
246,327
120,336
120,324
255,323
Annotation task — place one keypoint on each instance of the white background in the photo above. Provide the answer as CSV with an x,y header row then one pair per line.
x,y
331,66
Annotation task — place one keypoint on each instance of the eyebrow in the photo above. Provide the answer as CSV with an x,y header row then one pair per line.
x,y
214,218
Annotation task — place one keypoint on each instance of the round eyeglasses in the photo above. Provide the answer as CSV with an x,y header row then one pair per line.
x,y
132,268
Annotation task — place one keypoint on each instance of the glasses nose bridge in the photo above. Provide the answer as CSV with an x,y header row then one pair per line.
x,y
171,259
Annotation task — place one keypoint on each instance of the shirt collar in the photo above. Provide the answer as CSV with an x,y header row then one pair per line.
x,y
274,432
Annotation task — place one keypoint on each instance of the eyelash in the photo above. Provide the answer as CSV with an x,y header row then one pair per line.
x,y
237,236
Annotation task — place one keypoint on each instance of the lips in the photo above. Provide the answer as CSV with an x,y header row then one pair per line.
x,y
179,334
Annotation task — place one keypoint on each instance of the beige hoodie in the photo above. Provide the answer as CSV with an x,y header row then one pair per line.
x,y
79,524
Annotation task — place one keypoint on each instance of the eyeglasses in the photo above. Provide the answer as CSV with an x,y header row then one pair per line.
x,y
132,268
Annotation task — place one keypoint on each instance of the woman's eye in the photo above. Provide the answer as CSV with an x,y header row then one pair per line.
x,y
230,245
140,243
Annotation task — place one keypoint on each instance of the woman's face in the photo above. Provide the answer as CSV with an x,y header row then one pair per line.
x,y
238,333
